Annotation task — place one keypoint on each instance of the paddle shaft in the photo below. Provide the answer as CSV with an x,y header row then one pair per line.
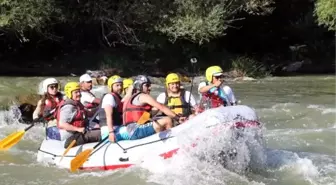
x,y
39,119
100,142
192,61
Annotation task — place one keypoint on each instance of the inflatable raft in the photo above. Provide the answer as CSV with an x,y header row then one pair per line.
x,y
110,156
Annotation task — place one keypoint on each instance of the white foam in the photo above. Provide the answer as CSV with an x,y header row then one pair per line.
x,y
200,165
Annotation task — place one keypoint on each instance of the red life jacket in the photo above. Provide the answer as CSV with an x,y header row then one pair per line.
x,y
213,100
51,104
120,104
132,113
79,119
90,105
210,100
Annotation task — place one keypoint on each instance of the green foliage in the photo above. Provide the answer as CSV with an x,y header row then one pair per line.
x,y
325,10
246,66
202,20
120,21
24,15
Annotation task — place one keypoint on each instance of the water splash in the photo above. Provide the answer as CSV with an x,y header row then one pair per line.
x,y
204,162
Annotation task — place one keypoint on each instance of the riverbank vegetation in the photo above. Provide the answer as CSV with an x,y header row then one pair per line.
x,y
253,37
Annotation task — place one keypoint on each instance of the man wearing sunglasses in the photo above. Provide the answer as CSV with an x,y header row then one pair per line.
x,y
212,95
88,99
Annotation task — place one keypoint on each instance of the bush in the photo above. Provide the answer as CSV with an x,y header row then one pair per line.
x,y
245,66
325,11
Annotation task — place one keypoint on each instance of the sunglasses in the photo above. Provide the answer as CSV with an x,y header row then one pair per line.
x,y
147,85
53,86
219,77
89,82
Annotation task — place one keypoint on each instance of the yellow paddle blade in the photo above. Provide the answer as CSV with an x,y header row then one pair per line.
x,y
80,159
11,140
144,118
67,150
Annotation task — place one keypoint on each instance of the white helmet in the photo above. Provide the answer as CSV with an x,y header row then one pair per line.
x,y
48,82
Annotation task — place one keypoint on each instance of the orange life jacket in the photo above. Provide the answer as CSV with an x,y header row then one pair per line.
x,y
132,113
79,119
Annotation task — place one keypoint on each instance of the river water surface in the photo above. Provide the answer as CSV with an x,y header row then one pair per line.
x,y
299,119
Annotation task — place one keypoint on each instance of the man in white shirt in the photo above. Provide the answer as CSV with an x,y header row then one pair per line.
x,y
111,110
88,99
180,101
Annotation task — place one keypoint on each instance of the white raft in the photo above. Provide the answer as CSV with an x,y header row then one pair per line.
x,y
110,156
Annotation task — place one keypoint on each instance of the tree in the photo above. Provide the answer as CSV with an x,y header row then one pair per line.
x,y
21,16
325,11
202,20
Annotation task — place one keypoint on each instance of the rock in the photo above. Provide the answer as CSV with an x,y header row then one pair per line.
x,y
94,81
104,73
96,73
27,104
293,67
28,98
27,111
233,74
111,71
244,78
100,80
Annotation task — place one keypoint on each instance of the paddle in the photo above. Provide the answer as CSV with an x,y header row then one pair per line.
x,y
75,140
69,147
15,137
80,159
192,61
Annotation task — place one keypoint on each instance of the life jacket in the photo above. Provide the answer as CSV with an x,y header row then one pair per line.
x,y
87,104
79,119
117,111
132,113
178,104
211,100
49,105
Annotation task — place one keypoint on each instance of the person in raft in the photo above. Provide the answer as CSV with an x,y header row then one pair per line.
x,y
88,99
180,101
127,83
135,106
212,95
111,108
50,100
71,118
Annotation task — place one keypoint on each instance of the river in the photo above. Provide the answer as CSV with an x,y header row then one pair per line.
x,y
299,129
